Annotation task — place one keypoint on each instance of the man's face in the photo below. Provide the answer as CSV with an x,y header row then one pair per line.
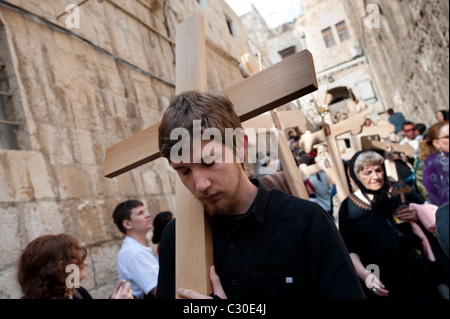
x,y
140,220
408,130
212,181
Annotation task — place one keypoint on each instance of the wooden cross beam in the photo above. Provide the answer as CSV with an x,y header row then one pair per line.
x,y
266,122
381,130
270,88
307,170
401,191
352,124
286,120
388,148
293,78
292,119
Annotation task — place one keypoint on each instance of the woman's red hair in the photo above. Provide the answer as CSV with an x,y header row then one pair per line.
x,y
42,266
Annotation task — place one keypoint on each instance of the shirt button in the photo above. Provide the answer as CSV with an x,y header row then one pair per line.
x,y
232,246
234,282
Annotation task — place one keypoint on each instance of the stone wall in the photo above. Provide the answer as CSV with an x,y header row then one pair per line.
x,y
408,52
77,91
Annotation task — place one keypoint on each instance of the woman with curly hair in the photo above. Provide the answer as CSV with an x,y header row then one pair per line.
x,y
43,270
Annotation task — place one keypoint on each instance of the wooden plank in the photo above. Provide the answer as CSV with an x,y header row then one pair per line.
x,y
193,240
406,149
290,168
352,124
292,119
137,150
281,83
191,55
266,121
262,121
285,120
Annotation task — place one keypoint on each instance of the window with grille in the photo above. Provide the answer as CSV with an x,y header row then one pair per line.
x,y
342,31
287,52
231,27
327,35
8,126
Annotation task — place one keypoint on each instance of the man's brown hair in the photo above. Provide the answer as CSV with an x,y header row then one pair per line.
x,y
213,110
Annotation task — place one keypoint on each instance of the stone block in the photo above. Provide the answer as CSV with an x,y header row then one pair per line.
x,y
101,186
167,182
84,148
127,185
9,286
104,257
44,218
167,203
24,176
73,182
110,206
56,142
151,185
63,42
90,221
89,281
12,234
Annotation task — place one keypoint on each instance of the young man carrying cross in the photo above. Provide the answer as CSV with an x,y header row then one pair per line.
x,y
267,244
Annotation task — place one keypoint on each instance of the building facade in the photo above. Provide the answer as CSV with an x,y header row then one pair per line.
x,y
392,53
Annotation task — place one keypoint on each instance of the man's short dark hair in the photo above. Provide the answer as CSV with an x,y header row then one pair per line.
x,y
407,123
213,110
420,127
123,212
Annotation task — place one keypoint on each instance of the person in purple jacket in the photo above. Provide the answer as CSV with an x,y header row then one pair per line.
x,y
435,156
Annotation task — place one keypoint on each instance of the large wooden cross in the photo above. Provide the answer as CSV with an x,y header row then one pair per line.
x,y
352,124
270,88
267,122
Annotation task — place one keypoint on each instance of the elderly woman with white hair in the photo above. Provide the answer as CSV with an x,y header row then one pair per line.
x,y
388,255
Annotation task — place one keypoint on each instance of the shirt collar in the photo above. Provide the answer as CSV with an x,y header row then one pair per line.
x,y
259,205
257,209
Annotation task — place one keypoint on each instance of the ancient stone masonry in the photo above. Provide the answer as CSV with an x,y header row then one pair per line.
x,y
409,53
75,92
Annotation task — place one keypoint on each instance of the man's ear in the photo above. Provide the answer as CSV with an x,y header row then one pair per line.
x,y
242,148
126,224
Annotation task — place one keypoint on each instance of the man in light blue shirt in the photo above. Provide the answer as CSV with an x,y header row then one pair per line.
x,y
135,260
